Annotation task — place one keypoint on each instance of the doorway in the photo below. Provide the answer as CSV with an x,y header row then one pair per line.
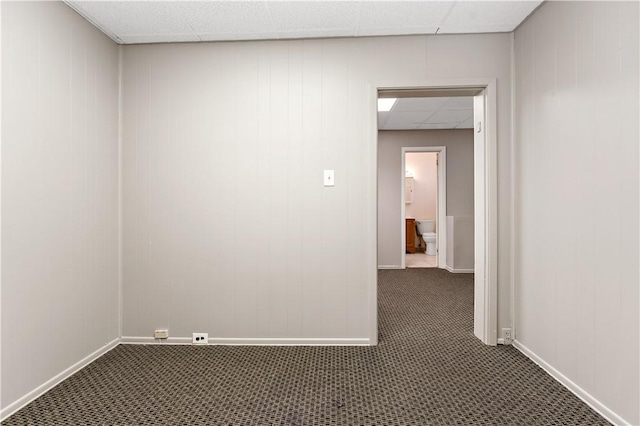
x,y
484,122
423,206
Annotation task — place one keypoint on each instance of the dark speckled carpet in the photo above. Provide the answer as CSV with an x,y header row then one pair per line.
x,y
428,369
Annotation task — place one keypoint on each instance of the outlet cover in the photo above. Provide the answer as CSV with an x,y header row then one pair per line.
x,y
200,338
507,337
161,334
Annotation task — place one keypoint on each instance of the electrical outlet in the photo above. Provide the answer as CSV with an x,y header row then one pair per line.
x,y
161,334
507,338
200,338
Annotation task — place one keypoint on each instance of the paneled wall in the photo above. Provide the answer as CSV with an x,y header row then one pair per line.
x,y
227,226
459,180
577,213
59,193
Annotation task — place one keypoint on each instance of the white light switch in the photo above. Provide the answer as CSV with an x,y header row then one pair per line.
x,y
329,178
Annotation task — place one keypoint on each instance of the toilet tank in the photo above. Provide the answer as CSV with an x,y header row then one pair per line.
x,y
426,226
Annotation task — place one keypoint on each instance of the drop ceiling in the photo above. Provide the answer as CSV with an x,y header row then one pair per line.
x,y
151,21
428,113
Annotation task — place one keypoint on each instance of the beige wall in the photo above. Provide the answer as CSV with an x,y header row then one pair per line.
x,y
459,145
59,193
460,243
424,166
213,130
577,197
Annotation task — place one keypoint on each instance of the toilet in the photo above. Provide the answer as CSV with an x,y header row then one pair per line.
x,y
427,228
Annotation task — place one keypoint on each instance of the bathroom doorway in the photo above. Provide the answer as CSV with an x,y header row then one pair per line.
x,y
423,205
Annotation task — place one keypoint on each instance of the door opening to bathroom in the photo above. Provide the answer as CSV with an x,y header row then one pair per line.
x,y
421,205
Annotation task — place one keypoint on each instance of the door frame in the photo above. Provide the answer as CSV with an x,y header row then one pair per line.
x,y
441,228
485,325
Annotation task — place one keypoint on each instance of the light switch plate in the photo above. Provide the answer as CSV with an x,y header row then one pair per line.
x,y
329,178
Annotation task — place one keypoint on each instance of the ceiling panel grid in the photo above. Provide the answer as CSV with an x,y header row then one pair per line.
x,y
152,21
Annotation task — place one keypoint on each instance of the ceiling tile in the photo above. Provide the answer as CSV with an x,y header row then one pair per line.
x,y
410,119
140,18
399,127
419,104
291,16
429,113
364,32
223,17
401,15
321,33
428,126
458,103
443,116
237,36
475,28
159,38
466,124
487,16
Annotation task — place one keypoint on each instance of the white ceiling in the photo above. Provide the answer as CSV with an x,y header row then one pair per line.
x,y
153,21
428,113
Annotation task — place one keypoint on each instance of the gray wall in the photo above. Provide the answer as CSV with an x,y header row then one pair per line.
x,y
59,193
460,243
577,197
227,227
459,145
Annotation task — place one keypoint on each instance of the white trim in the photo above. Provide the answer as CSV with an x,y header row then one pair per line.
x,y
491,206
458,271
488,328
370,217
131,340
500,341
441,228
390,267
1,197
57,379
255,341
486,210
587,398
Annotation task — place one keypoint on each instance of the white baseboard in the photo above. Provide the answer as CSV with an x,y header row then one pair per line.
x,y
458,271
54,381
389,267
250,341
132,340
599,407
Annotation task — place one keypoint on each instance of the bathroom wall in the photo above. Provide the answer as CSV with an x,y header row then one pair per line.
x,y
226,143
60,288
459,145
425,185
577,205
